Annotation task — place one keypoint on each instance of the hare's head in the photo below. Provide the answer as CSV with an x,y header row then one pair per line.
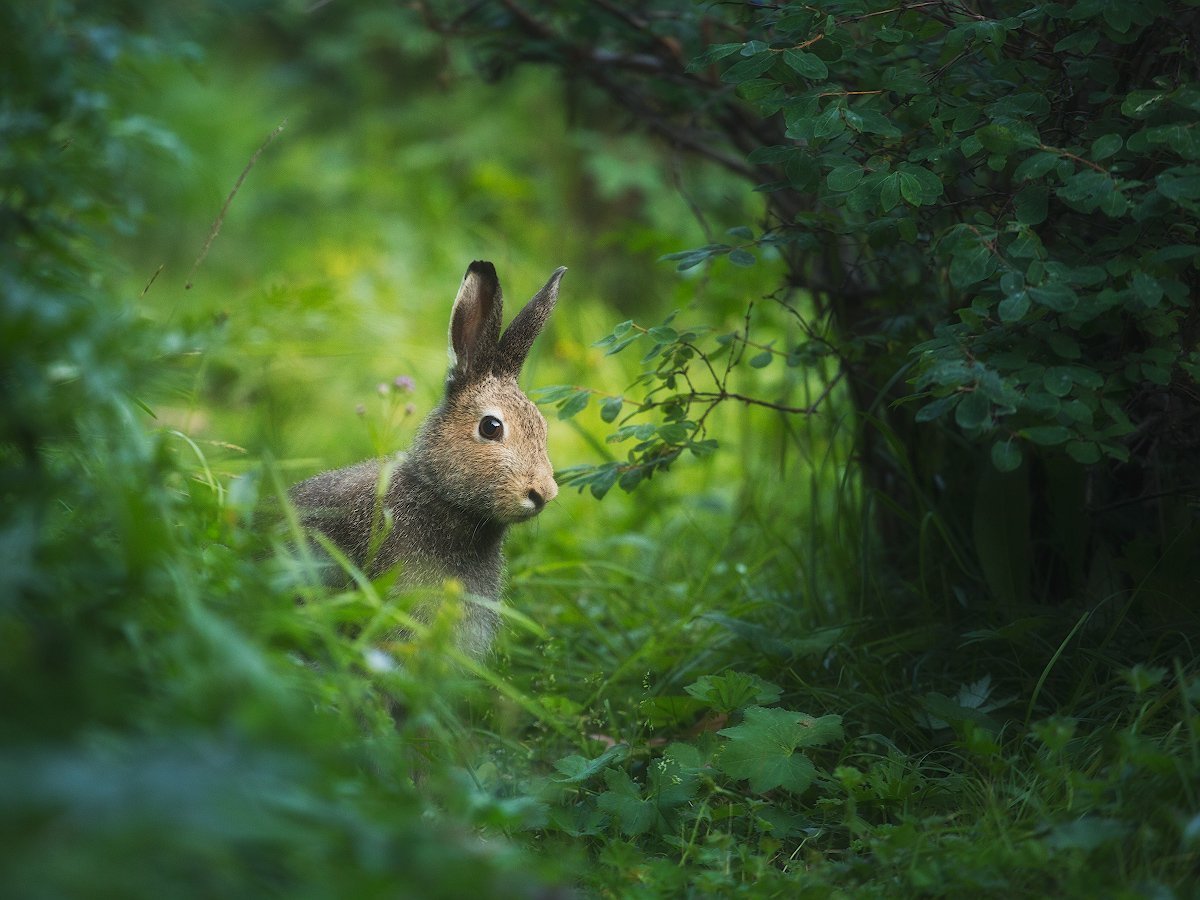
x,y
485,446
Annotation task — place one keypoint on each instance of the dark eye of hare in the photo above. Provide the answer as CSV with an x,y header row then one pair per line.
x,y
491,428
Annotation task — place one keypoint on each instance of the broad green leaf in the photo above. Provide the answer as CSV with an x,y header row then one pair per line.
x,y
972,262
844,178
574,405
1006,455
623,799
1086,452
1106,146
763,749
889,192
1014,307
575,768
748,68
733,690
1031,204
911,189
611,408
1035,166
973,412
808,65
743,258
1058,381
1046,435
997,139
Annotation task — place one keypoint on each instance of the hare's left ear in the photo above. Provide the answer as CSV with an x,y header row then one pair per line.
x,y
524,328
475,323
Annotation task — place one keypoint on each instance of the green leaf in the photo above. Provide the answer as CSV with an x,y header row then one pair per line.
x,y
1046,435
808,65
973,412
761,360
711,55
1056,296
1031,204
763,749
1086,452
1106,146
1006,456
911,188
623,799
1014,307
575,768
997,139
611,408
575,404
733,690
748,68
973,261
743,258
1058,381
938,407
889,192
1035,166
844,178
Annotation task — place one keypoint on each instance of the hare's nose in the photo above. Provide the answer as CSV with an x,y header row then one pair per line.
x,y
536,499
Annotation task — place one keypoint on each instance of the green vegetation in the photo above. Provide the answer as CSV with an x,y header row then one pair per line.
x,y
875,368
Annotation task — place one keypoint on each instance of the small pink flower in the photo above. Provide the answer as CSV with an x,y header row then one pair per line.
x,y
360,410
410,408
383,388
404,383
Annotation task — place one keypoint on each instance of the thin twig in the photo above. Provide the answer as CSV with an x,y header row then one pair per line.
x,y
216,226
157,272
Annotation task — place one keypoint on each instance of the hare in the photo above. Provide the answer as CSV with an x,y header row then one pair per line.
x,y
477,465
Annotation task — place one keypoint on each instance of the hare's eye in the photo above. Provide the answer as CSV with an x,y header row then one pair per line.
x,y
491,428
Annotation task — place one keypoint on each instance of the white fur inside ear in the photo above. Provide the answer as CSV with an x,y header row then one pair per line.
x,y
489,411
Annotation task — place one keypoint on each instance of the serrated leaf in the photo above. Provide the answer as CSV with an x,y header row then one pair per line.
x,y
733,690
763,749
575,768
635,815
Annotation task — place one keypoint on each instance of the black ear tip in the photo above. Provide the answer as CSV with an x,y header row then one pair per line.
x,y
482,267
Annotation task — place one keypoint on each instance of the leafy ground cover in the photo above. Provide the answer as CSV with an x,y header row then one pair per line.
x,y
717,684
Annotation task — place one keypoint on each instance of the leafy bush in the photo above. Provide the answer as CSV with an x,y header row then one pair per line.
x,y
990,216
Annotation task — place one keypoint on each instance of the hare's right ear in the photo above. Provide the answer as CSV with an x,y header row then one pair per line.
x,y
475,323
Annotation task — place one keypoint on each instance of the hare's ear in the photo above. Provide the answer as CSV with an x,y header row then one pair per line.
x,y
519,336
475,323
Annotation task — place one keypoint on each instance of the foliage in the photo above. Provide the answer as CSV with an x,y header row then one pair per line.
x,y
990,212
717,685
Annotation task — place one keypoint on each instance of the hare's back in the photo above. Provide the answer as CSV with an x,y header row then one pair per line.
x,y
341,505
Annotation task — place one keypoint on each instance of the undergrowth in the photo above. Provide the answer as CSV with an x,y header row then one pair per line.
x,y
719,685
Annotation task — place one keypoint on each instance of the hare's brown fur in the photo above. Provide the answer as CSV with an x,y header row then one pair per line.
x,y
450,499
